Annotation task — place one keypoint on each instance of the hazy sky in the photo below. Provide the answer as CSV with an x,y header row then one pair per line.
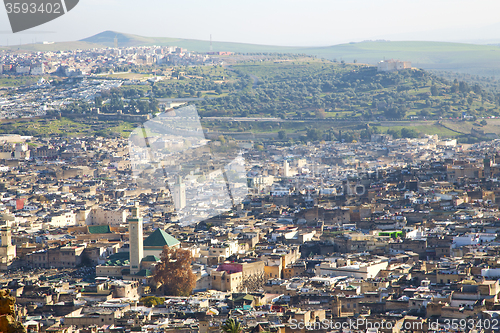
x,y
274,22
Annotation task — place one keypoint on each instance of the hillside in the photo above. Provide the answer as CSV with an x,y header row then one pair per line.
x,y
306,88
457,57
475,59
303,98
107,38
469,58
61,46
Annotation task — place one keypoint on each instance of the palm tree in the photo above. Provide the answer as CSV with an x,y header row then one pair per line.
x,y
231,326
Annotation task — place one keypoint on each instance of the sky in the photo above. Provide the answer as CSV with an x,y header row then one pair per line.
x,y
273,22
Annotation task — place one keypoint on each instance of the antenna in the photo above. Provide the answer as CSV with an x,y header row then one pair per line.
x,y
116,41
211,48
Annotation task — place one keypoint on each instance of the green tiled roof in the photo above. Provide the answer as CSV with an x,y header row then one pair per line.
x,y
151,258
118,259
144,272
244,298
160,238
99,229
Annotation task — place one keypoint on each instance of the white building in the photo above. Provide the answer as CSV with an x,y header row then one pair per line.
x,y
63,219
37,69
472,239
22,69
225,249
392,65
358,270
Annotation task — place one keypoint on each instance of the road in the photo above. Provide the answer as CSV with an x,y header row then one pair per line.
x,y
188,99
243,119
255,80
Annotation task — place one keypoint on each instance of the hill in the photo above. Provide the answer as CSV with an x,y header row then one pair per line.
x,y
60,46
300,98
441,56
458,57
107,38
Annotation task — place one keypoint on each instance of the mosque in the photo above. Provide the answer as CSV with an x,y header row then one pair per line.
x,y
145,249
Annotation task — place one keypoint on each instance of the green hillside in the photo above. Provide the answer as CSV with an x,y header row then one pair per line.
x,y
477,59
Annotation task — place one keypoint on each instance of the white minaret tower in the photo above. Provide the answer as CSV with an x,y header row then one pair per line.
x,y
179,194
136,240
286,169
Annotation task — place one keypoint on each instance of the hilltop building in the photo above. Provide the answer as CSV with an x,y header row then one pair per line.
x,y
392,65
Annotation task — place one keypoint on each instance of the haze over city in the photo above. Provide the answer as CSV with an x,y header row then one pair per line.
x,y
291,23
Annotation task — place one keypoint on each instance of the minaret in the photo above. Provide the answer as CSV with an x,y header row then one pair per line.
x,y
7,250
179,194
286,169
136,240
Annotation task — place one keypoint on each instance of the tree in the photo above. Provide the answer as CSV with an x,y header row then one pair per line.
x,y
231,326
434,90
484,122
313,134
173,274
409,133
394,132
151,301
282,135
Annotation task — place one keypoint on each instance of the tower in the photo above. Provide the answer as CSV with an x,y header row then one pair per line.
x,y
116,41
136,240
286,169
211,48
179,194
7,250
487,166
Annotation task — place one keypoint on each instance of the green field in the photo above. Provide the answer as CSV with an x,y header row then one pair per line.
x,y
493,126
17,81
127,76
425,129
46,127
